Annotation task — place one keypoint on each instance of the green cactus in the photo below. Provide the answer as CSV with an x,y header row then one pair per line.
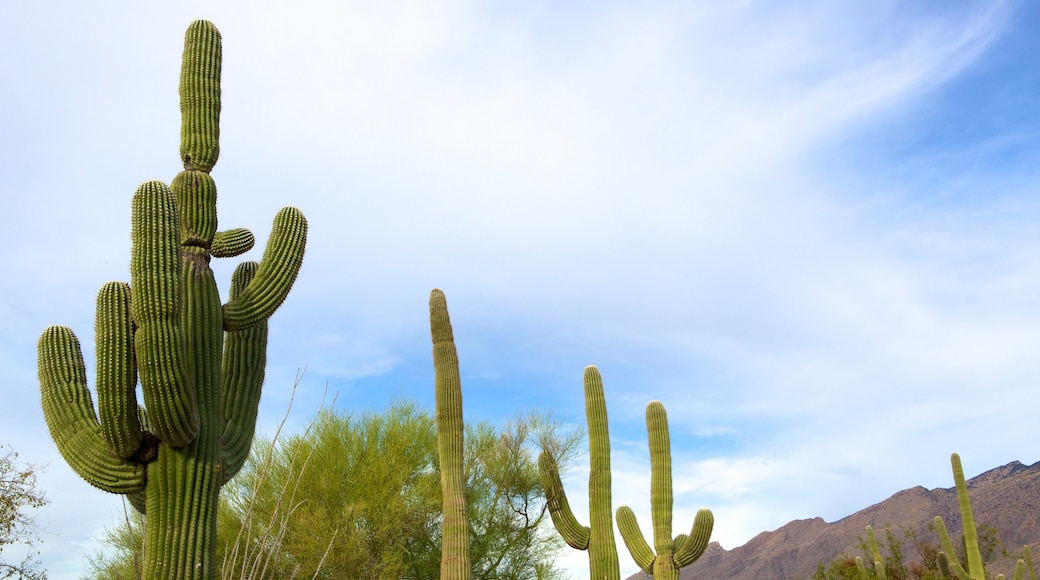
x,y
598,536
455,564
878,571
200,364
948,560
671,553
949,567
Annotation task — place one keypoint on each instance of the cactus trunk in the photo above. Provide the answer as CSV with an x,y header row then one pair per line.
x,y
181,530
947,556
455,564
180,538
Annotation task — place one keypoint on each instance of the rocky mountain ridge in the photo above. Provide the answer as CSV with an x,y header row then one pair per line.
x,y
1006,497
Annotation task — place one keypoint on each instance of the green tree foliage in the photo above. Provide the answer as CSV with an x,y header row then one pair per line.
x,y
18,496
358,496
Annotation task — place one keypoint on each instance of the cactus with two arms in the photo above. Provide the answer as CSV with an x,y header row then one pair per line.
x,y
200,363
669,554
948,565
598,536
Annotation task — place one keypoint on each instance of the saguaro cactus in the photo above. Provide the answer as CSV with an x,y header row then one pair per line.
x,y
201,364
878,571
672,553
948,559
455,563
949,567
598,536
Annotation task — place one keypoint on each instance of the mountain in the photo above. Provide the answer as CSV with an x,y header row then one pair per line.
x,y
1007,498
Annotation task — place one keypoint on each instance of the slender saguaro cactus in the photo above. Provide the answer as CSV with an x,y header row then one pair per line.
x,y
949,567
200,364
672,553
455,563
598,536
878,571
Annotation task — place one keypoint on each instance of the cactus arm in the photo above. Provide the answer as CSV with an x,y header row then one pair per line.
x,y
200,96
634,539
117,371
862,569
245,356
947,554
282,259
231,243
572,532
691,547
69,412
879,568
944,566
138,499
877,560
455,563
155,270
1029,563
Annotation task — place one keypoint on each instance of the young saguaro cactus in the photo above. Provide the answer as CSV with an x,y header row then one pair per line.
x,y
598,536
671,553
878,571
455,563
200,363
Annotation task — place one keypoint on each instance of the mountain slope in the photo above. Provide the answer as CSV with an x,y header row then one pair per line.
x,y
1007,498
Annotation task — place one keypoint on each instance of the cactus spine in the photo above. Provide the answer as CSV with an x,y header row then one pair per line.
x,y
200,364
671,553
455,564
598,536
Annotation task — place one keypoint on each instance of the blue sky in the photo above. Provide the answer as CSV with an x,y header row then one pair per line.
x,y
809,229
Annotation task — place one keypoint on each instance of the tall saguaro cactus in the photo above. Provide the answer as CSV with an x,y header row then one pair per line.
x,y
455,564
671,553
200,363
949,567
598,536
975,570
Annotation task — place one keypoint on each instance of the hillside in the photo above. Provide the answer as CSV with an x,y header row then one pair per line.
x,y
1006,498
